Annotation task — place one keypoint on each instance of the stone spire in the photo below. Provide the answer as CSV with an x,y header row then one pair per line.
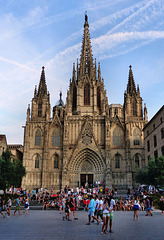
x,y
131,88
86,59
42,90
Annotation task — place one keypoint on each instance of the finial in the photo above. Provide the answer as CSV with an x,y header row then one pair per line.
x,y
86,17
43,68
130,67
60,94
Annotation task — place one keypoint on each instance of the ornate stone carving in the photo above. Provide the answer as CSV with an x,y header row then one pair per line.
x,y
87,135
87,166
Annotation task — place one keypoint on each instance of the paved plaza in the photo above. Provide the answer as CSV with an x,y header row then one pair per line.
x,y
50,225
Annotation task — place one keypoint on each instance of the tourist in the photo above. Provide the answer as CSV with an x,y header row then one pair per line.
x,y
26,207
100,209
161,204
96,207
147,206
112,205
91,210
136,207
1,207
17,206
67,209
45,202
72,206
105,217
8,207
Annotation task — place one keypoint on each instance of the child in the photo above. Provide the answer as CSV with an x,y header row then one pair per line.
x,y
26,207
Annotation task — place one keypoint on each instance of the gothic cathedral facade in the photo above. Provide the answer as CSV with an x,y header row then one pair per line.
x,y
87,141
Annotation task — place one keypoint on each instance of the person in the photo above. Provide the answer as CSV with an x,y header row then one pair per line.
x,y
151,204
161,204
17,206
8,208
91,210
96,207
67,209
136,207
100,209
1,207
105,216
45,202
147,206
72,206
112,205
26,207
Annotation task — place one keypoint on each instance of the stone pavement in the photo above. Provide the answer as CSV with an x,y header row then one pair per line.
x,y
50,225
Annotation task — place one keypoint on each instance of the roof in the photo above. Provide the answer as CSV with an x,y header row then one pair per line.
x,y
160,110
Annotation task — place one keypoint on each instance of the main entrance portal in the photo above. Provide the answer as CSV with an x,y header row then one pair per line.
x,y
86,180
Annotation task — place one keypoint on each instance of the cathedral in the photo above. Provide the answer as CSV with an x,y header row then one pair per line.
x,y
85,142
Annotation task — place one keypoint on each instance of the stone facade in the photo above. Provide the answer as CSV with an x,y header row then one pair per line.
x,y
87,140
154,136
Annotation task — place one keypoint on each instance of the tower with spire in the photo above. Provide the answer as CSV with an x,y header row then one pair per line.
x,y
84,141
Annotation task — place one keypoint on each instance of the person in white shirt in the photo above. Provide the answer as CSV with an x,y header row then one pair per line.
x,y
96,207
100,208
136,207
105,216
112,205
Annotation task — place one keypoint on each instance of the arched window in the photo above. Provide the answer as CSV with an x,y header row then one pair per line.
x,y
87,94
134,108
117,161
74,103
136,137
98,98
56,161
137,160
56,137
37,158
38,137
39,110
117,136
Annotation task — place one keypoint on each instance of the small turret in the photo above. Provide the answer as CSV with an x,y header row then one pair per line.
x,y
145,113
138,90
28,113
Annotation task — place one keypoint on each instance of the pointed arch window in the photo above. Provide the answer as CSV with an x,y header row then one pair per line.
x,y
98,97
39,109
117,137
87,94
56,161
117,161
137,160
134,108
56,137
37,160
38,137
136,137
74,103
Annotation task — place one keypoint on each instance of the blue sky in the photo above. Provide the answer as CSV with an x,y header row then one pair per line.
x,y
49,33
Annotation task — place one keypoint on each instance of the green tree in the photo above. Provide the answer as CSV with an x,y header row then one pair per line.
x,y
11,172
153,173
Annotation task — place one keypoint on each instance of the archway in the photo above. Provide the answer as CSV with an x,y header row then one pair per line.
x,y
86,168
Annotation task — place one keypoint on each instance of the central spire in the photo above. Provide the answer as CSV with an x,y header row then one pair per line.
x,y
86,59
131,88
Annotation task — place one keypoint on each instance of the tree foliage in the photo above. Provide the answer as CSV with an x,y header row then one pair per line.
x,y
153,173
11,172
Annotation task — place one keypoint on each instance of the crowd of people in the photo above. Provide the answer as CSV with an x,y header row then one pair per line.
x,y
99,203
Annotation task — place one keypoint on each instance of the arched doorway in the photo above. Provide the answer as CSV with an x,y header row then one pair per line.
x,y
86,168
86,175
